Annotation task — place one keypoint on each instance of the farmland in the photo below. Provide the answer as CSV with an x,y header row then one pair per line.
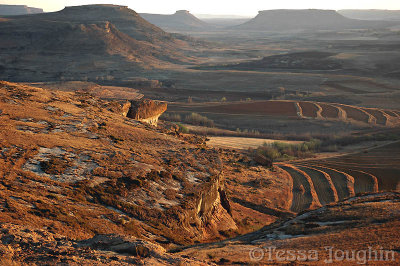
x,y
336,178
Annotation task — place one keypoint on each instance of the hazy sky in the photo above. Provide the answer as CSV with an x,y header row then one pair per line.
x,y
247,7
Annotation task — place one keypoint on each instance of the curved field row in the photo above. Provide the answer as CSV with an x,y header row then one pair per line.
x,y
378,114
340,177
387,178
319,112
300,109
329,111
309,109
391,113
355,114
323,185
343,182
363,181
304,195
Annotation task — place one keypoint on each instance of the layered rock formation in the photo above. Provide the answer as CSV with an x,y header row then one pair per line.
x,y
14,10
147,111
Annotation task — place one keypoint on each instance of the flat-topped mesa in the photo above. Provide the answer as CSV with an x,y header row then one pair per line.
x,y
147,111
183,12
304,19
15,10
181,20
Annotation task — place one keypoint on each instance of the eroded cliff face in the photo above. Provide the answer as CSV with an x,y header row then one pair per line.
x,y
212,209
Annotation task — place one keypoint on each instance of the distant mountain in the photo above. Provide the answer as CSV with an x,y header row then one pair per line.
x,y
94,42
13,10
371,14
182,20
309,19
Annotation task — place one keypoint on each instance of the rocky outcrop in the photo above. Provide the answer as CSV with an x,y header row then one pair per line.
x,y
147,111
26,245
15,10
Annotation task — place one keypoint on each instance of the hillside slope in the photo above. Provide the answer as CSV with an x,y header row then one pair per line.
x,y
182,20
366,223
97,41
371,14
75,164
310,19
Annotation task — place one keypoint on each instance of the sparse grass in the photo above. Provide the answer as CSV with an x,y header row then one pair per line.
x,y
279,151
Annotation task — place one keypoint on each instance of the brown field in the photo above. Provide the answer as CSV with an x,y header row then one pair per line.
x,y
281,108
309,109
329,111
355,114
280,113
324,187
373,170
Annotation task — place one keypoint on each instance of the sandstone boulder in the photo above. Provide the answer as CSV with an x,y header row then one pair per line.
x,y
147,111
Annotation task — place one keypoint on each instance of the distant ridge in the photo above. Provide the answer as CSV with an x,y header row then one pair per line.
x,y
182,20
306,19
14,10
89,42
371,14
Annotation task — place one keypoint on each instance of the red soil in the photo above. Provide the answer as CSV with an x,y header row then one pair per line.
x,y
309,109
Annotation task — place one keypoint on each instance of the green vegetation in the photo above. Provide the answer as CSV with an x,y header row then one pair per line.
x,y
279,151
192,118
199,120
182,128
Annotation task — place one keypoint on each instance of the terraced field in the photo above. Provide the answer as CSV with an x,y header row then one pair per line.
x,y
304,195
332,179
299,109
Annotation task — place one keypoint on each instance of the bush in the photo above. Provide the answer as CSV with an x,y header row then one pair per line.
x,y
182,128
55,165
171,117
197,119
283,151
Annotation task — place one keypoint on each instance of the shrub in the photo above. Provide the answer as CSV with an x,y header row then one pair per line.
x,y
182,128
197,119
284,151
172,117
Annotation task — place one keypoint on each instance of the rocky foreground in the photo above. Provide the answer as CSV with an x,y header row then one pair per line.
x,y
83,182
